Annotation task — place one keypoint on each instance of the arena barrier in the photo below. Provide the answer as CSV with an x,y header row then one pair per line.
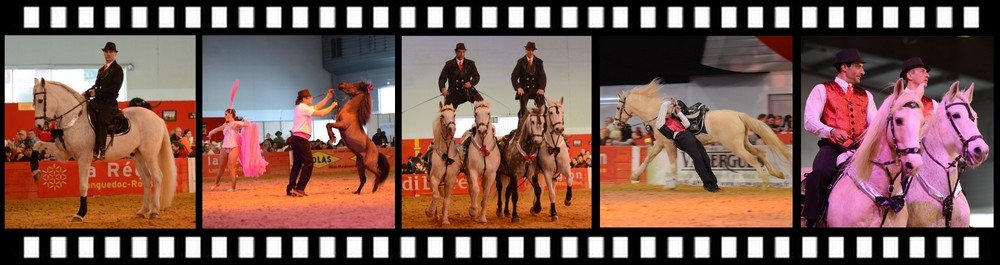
x,y
617,163
325,161
59,179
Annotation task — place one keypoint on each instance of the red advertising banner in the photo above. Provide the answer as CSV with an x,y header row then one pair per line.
x,y
61,179
419,184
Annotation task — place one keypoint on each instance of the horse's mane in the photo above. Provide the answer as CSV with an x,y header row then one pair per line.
x,y
365,109
68,89
874,137
651,90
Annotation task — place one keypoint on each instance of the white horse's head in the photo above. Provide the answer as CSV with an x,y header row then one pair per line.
x,y
957,125
446,120
629,101
555,115
51,100
905,119
482,112
535,124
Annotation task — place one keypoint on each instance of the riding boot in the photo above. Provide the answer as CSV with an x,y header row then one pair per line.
x,y
811,223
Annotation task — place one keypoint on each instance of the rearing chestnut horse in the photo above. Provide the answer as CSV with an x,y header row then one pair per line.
x,y
350,120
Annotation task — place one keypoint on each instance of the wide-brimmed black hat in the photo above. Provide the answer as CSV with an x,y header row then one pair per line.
x,y
460,46
110,46
530,46
848,56
913,63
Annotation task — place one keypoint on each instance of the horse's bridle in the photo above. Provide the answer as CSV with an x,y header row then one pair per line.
x,y
948,202
45,105
554,150
621,110
896,202
447,148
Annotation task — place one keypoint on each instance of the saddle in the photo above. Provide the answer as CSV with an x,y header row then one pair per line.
x,y
119,125
696,115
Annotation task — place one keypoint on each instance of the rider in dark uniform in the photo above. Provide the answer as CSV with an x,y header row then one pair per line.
x,y
528,79
461,76
105,94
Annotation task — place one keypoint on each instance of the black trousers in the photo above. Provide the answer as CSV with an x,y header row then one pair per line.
x,y
823,172
523,100
102,116
301,162
457,96
702,163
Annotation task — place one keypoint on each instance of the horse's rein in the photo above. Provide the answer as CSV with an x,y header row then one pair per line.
x,y
45,105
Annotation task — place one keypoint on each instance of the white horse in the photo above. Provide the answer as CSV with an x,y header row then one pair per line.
x,y
445,163
726,127
554,159
950,136
481,161
59,107
870,192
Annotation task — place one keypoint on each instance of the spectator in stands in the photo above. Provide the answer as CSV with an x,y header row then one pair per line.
x,y
184,147
267,145
787,123
279,142
762,117
380,139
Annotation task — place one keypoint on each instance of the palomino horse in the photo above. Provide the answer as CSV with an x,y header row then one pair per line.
x,y
952,139
481,160
59,107
726,127
554,158
520,155
863,196
445,162
350,121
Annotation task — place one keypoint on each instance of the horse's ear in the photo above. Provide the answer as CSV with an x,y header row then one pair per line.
x,y
36,81
898,87
952,91
561,100
440,105
43,81
968,92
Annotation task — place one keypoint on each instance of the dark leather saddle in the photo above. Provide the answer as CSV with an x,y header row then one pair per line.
x,y
119,125
696,115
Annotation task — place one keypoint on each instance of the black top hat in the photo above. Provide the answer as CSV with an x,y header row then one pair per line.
x,y
460,46
110,46
913,63
530,46
847,56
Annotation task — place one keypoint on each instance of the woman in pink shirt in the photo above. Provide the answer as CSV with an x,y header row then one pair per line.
x,y
299,141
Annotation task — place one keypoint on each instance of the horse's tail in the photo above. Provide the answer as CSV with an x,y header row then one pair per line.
x,y
765,133
168,178
383,169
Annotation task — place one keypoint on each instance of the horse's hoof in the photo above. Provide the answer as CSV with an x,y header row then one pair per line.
x,y
482,220
77,218
554,218
506,214
140,216
357,192
515,220
499,213
153,216
445,222
568,202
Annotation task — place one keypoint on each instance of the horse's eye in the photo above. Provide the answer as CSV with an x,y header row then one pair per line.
x,y
39,101
899,121
955,116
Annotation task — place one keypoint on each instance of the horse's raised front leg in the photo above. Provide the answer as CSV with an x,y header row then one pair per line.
x,y
650,154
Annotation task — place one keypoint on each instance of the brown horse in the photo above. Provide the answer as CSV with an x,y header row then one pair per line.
x,y
350,120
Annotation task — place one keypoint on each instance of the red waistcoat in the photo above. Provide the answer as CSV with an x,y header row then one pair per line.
x,y
846,111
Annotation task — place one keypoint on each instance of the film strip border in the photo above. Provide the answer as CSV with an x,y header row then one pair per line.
x,y
690,248
551,18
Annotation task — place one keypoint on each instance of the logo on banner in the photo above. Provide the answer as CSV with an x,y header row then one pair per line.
x,y
321,159
721,159
54,177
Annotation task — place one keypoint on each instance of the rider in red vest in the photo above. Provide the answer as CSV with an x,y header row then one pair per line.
x,y
916,73
672,123
837,112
